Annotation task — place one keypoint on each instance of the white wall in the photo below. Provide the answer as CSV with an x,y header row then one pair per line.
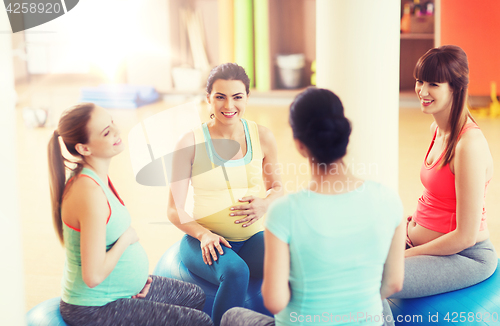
x,y
151,64
107,37
357,52
12,306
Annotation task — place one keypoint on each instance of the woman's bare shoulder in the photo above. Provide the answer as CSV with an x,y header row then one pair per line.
x,y
185,147
267,139
433,127
84,190
187,139
473,141
265,134
81,196
473,151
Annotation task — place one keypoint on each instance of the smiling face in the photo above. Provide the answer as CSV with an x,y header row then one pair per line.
x,y
104,136
434,97
228,100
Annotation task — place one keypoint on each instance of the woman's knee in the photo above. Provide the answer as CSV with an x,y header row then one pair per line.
x,y
235,270
185,316
483,260
190,251
194,293
490,266
202,319
233,316
198,297
244,317
189,244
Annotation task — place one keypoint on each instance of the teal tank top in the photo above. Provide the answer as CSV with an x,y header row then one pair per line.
x,y
130,273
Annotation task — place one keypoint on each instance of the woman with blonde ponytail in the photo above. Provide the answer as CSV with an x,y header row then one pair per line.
x,y
73,128
57,178
105,279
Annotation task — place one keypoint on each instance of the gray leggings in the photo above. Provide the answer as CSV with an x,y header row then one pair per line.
x,y
168,302
429,275
245,317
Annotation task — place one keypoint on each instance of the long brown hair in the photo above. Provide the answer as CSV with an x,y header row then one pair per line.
x,y
448,64
72,129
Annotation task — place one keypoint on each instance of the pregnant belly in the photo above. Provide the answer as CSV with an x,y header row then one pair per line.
x,y
223,224
420,235
132,270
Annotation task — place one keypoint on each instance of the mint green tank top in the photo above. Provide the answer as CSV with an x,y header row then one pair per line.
x,y
130,273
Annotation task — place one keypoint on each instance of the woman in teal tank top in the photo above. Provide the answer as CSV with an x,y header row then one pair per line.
x,y
335,250
106,278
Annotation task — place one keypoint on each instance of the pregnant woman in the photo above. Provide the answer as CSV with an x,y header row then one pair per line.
x,y
334,251
106,278
448,246
224,241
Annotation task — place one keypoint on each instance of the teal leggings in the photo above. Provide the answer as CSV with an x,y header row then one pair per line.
x,y
231,271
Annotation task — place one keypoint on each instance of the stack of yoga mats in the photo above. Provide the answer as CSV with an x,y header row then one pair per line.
x,y
244,37
262,46
119,96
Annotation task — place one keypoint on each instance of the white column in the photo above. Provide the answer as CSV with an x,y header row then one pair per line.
x,y
149,63
357,53
437,23
12,306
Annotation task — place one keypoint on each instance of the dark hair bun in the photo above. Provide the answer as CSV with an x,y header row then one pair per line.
x,y
317,120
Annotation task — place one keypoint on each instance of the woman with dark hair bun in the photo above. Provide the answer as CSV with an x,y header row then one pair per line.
x,y
232,190
105,279
333,251
322,128
448,246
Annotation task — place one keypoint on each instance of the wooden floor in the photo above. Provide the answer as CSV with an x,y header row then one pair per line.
x,y
44,256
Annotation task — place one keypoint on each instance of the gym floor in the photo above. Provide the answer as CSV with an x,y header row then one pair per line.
x,y
43,254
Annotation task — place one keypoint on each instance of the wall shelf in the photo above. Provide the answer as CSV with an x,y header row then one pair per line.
x,y
417,36
412,47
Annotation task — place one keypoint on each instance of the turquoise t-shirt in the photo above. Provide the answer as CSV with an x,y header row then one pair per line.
x,y
130,273
338,247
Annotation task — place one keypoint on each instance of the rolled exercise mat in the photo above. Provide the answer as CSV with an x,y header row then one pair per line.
x,y
262,51
226,31
243,36
119,96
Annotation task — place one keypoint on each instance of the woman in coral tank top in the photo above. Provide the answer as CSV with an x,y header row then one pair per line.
x,y
448,246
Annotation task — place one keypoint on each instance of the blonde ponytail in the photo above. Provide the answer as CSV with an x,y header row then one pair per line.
x,y
72,129
57,178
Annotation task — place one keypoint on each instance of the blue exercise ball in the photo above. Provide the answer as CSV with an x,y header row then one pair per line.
x,y
476,305
170,265
46,314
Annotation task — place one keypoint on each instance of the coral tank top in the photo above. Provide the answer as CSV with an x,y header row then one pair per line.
x,y
437,208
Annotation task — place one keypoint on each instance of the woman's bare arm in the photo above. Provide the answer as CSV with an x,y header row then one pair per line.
x,y
90,208
275,286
